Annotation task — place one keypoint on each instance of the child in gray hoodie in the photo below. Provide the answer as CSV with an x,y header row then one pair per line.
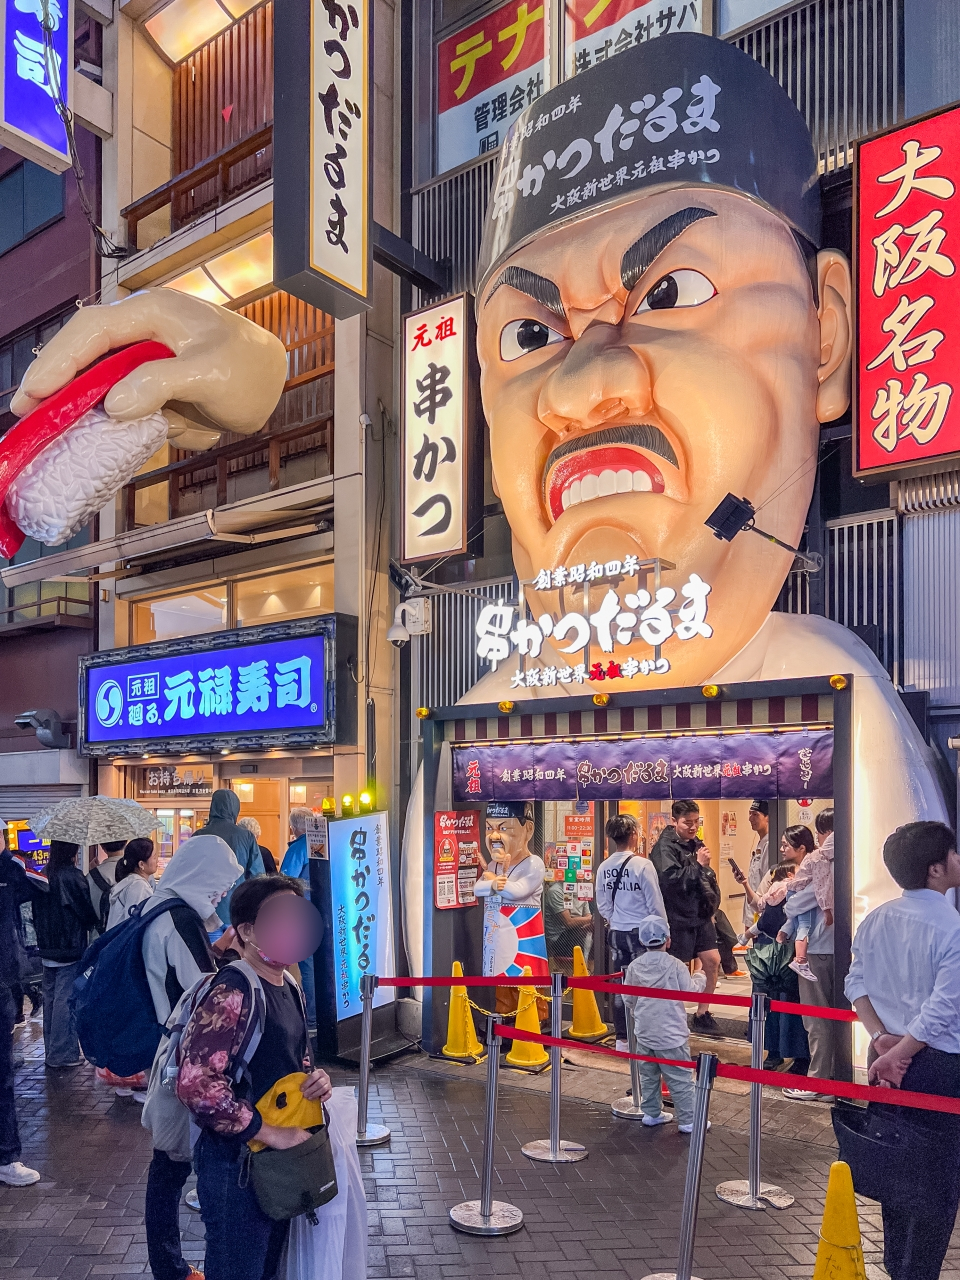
x,y
661,1025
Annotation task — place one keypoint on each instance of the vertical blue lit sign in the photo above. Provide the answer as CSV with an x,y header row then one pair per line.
x,y
362,918
30,75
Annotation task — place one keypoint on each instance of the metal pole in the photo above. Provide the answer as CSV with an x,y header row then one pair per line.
x,y
752,1193
486,1216
555,1151
706,1071
628,1108
368,1135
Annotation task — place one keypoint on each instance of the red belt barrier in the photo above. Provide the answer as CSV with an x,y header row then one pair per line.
x,y
780,1079
465,982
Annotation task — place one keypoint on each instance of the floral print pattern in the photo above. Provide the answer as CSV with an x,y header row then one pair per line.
x,y
211,1041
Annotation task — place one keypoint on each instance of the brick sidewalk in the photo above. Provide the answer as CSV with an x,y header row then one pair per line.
x,y
613,1217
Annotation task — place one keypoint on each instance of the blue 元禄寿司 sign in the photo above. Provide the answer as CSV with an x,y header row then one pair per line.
x,y
224,691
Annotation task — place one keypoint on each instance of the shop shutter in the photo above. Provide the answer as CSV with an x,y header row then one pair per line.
x,y
21,803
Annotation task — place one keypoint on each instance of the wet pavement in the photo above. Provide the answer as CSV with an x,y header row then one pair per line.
x,y
615,1216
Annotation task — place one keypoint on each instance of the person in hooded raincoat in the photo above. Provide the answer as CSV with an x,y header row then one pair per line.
x,y
176,954
222,822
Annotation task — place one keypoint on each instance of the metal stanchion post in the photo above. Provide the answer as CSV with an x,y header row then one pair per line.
x,y
486,1216
706,1071
628,1108
752,1193
554,1150
368,1135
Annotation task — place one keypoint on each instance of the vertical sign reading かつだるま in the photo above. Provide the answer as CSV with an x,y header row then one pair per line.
x,y
908,295
437,429
360,903
486,75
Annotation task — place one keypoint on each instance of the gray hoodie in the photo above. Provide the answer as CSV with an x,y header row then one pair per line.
x,y
224,811
660,1024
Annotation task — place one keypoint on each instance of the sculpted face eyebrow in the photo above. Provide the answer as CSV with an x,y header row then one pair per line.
x,y
537,287
653,242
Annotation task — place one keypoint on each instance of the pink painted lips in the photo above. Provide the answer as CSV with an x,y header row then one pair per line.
x,y
598,473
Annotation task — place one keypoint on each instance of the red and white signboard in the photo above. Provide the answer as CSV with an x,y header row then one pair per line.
x,y
486,74
600,29
456,852
908,297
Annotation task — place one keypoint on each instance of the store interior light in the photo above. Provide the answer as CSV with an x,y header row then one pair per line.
x,y
243,270
225,751
185,25
346,806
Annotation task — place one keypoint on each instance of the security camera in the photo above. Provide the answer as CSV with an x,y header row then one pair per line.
x,y
413,617
48,727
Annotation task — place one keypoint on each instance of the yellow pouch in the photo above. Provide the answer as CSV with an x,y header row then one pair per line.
x,y
285,1105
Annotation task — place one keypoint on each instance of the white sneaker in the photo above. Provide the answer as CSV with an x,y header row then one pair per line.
x,y
123,1093
623,1046
804,970
139,1095
662,1118
688,1128
18,1175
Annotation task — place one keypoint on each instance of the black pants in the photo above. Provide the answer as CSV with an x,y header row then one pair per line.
x,y
161,1216
9,1134
915,1244
624,947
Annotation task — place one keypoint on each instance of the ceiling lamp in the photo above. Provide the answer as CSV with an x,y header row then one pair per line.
x,y
240,271
183,26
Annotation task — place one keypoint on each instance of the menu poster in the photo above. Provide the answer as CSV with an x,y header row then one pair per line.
x,y
457,861
318,844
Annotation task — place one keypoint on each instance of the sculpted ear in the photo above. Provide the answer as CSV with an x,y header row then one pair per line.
x,y
836,334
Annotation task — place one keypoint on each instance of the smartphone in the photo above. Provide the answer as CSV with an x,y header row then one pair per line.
x,y
737,873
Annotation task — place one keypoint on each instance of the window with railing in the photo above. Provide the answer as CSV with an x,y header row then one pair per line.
x,y
17,352
294,445
222,123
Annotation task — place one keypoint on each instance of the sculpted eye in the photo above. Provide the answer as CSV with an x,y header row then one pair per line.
x,y
520,337
679,289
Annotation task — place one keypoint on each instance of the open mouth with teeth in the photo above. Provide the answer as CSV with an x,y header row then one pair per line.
x,y
604,463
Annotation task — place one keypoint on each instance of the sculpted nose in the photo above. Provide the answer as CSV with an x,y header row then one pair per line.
x,y
600,380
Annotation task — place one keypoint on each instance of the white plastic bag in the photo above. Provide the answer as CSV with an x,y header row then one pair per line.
x,y
336,1248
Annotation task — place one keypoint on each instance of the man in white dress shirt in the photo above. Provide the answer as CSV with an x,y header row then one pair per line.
x,y
628,890
904,983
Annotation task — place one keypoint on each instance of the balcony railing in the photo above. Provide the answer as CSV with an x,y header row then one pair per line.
x,y
44,612
207,185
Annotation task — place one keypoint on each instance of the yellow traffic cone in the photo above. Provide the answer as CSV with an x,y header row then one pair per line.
x,y
462,1039
526,1054
587,1023
839,1255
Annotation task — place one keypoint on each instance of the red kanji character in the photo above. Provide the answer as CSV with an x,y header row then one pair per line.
x,y
420,338
597,672
445,328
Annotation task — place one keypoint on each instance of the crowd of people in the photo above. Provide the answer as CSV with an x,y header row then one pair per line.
x,y
195,933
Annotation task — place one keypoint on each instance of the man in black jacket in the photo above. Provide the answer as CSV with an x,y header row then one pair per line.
x,y
14,889
682,861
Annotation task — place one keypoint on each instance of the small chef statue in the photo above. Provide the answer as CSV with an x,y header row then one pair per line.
x,y
512,893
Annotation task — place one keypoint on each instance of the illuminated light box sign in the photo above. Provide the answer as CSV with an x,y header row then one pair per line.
x,y
611,617
266,686
488,73
31,75
908,298
600,29
362,914
441,463
787,765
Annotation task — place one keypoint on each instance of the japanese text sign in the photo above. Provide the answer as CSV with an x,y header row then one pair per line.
x,y
361,903
486,75
600,29
210,695
322,154
437,429
689,767
33,71
456,851
908,295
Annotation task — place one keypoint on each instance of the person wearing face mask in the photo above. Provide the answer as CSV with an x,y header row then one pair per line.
x,y
176,954
242,1242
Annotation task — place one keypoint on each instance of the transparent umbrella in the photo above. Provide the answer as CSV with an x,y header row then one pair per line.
x,y
95,820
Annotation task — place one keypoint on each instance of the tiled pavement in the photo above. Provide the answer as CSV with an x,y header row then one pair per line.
x,y
613,1217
